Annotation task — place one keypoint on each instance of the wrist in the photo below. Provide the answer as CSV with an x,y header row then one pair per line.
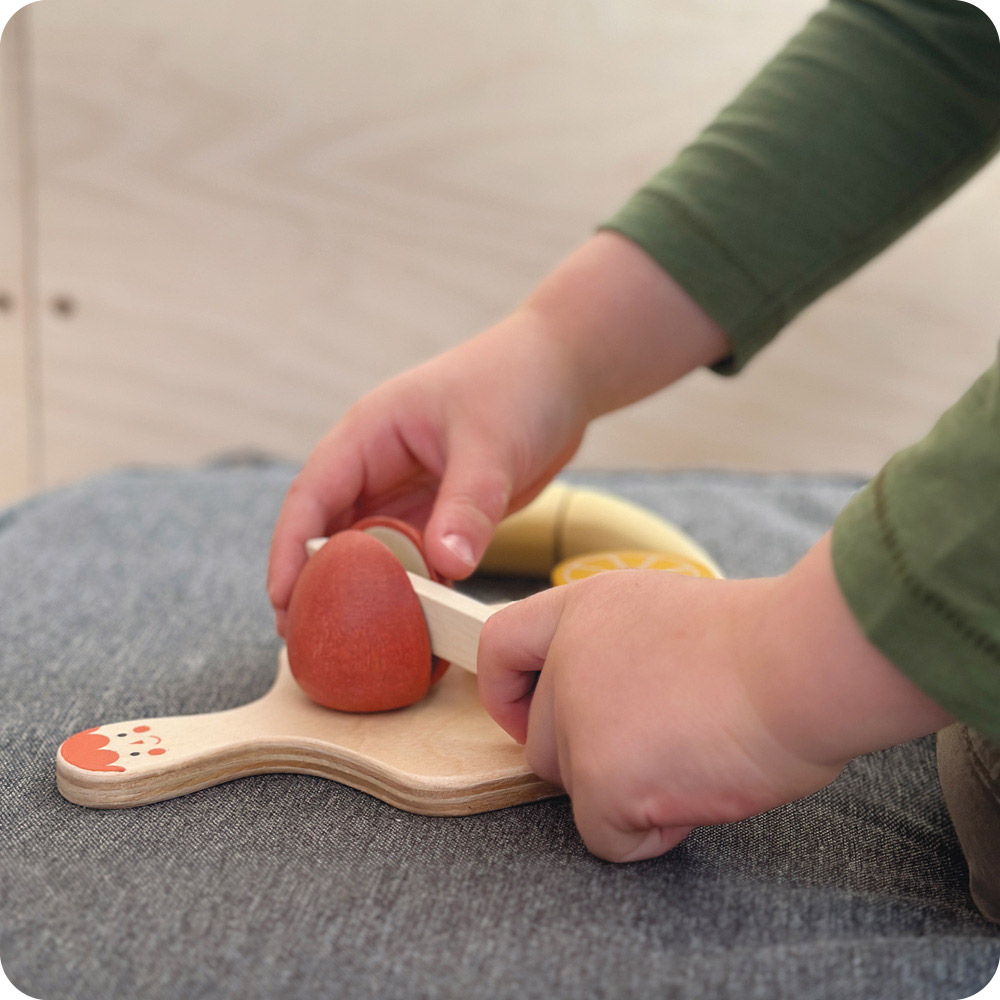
x,y
832,692
526,345
625,326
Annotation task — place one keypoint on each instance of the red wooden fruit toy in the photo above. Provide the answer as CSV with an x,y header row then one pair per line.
x,y
357,639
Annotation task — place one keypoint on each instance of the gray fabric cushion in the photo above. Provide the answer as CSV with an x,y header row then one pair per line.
x,y
141,592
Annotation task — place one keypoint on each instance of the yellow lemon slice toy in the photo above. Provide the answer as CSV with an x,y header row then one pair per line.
x,y
591,563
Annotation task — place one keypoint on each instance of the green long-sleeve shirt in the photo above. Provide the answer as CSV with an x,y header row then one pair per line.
x,y
872,115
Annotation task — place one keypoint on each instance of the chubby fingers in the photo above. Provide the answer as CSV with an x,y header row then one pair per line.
x,y
322,497
534,663
615,827
474,495
308,508
513,647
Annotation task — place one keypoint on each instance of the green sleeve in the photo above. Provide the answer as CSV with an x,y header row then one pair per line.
x,y
863,123
917,556
866,121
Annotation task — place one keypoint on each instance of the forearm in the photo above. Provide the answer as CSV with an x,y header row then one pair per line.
x,y
623,326
867,120
916,554
837,694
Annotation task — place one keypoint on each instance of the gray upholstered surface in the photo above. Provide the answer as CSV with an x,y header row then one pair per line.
x,y
141,592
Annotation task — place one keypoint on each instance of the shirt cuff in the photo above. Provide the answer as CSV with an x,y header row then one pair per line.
x,y
916,555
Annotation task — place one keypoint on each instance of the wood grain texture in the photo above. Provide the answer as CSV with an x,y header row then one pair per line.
x,y
454,621
253,211
19,453
357,641
443,756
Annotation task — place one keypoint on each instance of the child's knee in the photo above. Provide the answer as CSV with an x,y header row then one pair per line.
x,y
969,766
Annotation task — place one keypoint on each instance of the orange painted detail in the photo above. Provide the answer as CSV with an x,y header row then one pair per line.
x,y
141,729
86,750
156,750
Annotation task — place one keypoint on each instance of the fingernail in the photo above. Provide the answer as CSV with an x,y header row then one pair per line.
x,y
460,548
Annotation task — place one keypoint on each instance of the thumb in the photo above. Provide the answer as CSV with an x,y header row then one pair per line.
x,y
513,648
474,495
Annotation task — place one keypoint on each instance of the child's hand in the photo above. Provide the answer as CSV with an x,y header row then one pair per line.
x,y
476,433
455,445
666,702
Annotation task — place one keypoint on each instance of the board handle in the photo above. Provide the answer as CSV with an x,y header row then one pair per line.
x,y
147,759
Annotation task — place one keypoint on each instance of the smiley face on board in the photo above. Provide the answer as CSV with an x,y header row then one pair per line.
x,y
116,747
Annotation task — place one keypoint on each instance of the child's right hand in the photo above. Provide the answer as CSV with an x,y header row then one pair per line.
x,y
662,702
451,446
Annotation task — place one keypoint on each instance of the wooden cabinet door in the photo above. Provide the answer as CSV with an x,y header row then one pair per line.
x,y
251,211
19,471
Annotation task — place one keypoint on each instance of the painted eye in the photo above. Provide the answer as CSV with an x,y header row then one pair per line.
x,y
123,734
134,753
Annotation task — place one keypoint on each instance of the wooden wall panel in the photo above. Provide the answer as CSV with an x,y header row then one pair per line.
x,y
251,211
18,397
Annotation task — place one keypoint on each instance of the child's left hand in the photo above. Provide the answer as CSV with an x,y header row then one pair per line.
x,y
661,702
